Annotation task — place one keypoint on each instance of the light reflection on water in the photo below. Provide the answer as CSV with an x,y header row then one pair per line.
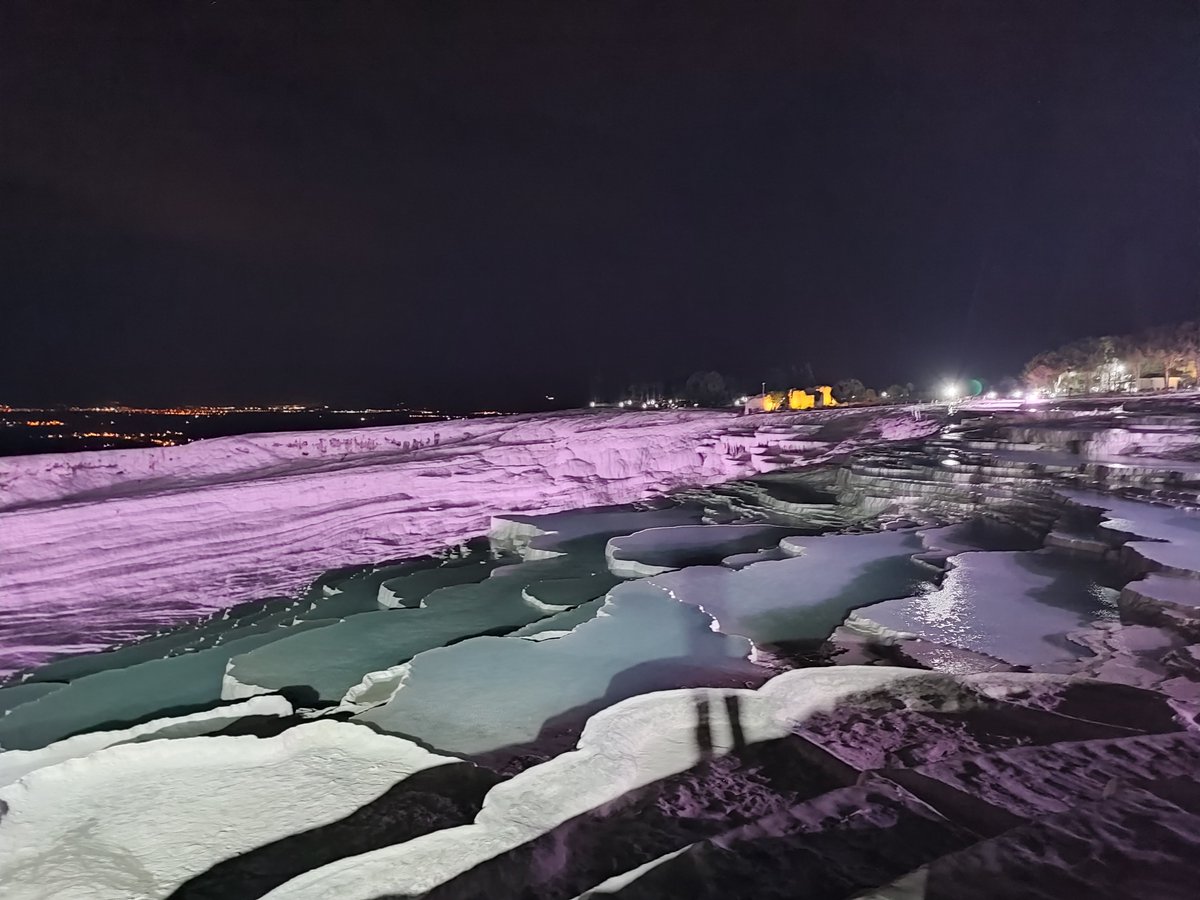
x,y
1016,606
946,611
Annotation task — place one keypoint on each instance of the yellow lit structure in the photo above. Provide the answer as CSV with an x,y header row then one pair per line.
x,y
794,399
773,401
821,396
800,399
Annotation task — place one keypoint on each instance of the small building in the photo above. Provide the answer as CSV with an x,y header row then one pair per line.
x,y
1158,383
765,402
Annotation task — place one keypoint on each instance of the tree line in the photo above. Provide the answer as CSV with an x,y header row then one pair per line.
x,y
1117,362
712,389
1105,363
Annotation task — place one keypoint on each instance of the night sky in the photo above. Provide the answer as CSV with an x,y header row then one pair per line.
x,y
486,202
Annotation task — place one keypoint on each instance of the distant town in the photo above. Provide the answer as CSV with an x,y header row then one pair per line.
x,y
64,428
220,410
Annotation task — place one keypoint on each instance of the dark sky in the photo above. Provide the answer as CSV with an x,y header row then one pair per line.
x,y
434,201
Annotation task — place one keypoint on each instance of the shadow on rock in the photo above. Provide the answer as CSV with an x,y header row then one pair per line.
x,y
441,797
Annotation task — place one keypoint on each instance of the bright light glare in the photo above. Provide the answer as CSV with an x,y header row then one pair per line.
x,y
950,391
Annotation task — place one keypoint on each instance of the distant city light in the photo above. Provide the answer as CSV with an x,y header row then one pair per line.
x,y
992,395
1017,395
592,404
883,394
950,390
